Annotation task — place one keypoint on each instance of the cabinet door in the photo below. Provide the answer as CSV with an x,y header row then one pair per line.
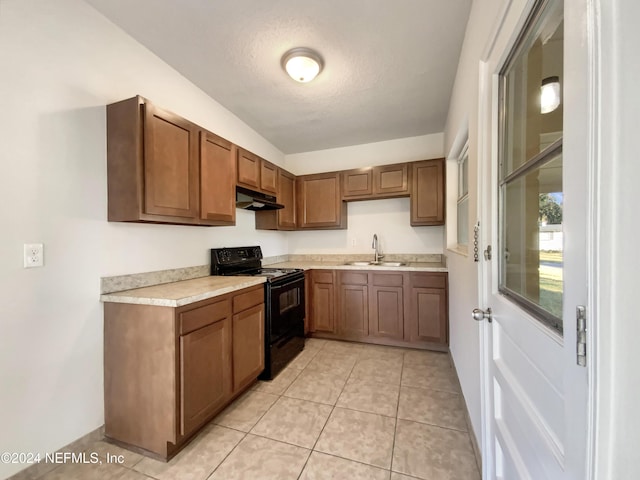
x,y
427,193
322,302
357,183
392,180
217,180
286,196
320,203
248,169
205,379
171,165
354,310
386,311
428,315
268,177
248,346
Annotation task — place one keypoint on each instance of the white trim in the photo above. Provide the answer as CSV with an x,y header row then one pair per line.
x,y
594,165
483,212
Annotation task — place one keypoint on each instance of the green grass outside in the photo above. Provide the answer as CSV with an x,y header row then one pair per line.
x,y
551,284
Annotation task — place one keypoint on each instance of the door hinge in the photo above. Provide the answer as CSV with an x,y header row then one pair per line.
x,y
581,335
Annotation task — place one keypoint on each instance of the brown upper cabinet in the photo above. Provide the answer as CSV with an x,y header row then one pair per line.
x,y
391,180
154,164
383,181
357,183
428,192
164,169
256,173
217,180
248,169
319,202
268,177
284,218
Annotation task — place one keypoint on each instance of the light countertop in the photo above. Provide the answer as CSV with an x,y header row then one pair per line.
x,y
340,265
177,294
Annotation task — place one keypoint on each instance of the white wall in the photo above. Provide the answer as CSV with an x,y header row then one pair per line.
x,y
463,272
389,218
366,155
62,62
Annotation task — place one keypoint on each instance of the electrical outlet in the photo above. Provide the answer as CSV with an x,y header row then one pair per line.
x,y
353,241
33,255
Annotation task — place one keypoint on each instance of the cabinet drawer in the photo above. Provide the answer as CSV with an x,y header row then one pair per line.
x,y
248,299
199,317
354,278
323,277
429,280
388,279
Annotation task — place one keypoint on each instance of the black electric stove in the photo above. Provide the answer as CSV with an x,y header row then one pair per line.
x,y
284,301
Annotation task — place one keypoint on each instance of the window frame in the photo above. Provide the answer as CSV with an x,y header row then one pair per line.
x,y
546,155
462,196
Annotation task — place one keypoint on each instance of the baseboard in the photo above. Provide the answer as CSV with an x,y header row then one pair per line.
x,y
474,442
37,470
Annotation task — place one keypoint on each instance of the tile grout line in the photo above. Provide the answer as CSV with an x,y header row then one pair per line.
x,y
395,430
313,449
226,456
245,434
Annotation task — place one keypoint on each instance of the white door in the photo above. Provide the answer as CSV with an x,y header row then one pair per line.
x,y
535,169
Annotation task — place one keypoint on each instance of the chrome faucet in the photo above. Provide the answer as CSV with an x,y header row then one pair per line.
x,y
376,256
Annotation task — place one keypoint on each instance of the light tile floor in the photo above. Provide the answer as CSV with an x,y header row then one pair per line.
x,y
338,411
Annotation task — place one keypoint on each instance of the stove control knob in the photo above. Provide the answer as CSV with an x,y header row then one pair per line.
x,y
257,253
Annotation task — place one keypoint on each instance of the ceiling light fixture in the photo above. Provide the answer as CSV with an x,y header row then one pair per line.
x,y
302,64
549,94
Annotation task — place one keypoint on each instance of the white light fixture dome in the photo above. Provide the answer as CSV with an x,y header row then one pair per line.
x,y
302,64
549,94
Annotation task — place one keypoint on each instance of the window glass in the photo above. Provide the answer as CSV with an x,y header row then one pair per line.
x,y
463,197
532,238
528,131
531,195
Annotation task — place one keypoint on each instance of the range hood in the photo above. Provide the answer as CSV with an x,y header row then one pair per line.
x,y
250,200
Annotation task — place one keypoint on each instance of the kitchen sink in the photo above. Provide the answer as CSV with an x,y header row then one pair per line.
x,y
375,264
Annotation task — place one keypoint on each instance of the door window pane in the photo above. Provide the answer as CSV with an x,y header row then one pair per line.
x,y
538,62
531,198
532,239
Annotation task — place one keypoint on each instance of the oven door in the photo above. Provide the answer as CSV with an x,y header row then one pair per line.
x,y
285,309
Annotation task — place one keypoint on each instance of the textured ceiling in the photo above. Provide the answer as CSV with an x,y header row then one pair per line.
x,y
389,65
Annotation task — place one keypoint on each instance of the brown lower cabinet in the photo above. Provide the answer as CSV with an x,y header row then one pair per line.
x,y
382,307
168,371
353,299
322,301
